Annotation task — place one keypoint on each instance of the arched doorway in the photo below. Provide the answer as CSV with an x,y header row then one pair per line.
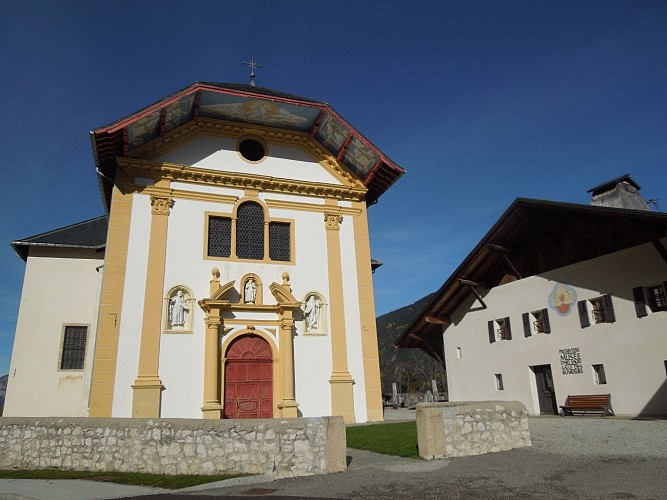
x,y
249,378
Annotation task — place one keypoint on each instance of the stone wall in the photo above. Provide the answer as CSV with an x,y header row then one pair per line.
x,y
447,430
280,447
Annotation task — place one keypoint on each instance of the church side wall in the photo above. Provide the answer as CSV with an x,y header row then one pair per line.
x,y
132,307
61,287
353,318
632,350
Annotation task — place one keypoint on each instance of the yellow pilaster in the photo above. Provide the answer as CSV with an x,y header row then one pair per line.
x,y
369,342
111,300
288,405
342,397
147,387
212,408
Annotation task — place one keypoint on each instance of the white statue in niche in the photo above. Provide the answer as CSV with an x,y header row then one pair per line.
x,y
178,310
250,291
312,311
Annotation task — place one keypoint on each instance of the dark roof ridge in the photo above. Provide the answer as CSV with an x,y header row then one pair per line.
x,y
70,226
238,87
91,233
610,184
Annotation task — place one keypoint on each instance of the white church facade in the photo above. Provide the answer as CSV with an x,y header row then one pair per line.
x,y
233,279
558,299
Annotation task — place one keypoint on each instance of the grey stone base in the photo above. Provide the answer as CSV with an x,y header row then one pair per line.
x,y
278,447
447,430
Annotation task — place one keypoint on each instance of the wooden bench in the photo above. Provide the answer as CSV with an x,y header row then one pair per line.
x,y
588,403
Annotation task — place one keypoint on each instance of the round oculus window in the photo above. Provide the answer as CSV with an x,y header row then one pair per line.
x,y
252,149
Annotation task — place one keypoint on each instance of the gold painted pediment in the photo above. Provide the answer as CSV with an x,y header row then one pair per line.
x,y
222,291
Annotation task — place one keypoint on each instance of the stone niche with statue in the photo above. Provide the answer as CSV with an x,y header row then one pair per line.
x,y
178,310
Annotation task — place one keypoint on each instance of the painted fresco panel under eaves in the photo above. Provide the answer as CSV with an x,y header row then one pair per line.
x,y
148,127
261,112
359,158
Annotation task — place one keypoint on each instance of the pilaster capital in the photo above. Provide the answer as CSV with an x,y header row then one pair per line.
x,y
332,221
286,323
213,321
161,205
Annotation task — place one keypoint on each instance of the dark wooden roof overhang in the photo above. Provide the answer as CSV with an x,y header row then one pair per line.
x,y
111,141
533,237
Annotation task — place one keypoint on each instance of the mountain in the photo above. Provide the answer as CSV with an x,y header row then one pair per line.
x,y
411,369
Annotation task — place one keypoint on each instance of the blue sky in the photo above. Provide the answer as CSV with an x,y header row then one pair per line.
x,y
481,102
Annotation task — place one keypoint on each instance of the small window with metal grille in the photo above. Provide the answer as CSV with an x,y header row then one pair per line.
x,y
73,352
536,322
250,235
602,311
280,241
499,329
250,231
219,236
657,298
650,299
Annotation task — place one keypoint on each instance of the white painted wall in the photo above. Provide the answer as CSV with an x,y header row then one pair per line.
x,y
61,286
632,350
355,359
181,355
219,153
129,336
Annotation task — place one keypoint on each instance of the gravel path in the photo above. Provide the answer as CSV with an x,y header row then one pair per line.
x,y
592,436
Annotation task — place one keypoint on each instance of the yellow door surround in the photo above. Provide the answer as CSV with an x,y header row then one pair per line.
x,y
214,307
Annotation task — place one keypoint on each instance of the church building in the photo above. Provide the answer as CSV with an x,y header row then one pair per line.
x,y
229,278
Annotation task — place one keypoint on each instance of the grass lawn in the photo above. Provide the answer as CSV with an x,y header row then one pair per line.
x,y
133,478
398,439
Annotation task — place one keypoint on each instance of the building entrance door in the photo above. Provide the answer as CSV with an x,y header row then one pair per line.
x,y
546,394
249,379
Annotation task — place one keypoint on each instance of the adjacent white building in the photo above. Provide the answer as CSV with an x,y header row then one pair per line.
x,y
234,279
558,299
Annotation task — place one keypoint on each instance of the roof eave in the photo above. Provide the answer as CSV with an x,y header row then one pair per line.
x,y
452,287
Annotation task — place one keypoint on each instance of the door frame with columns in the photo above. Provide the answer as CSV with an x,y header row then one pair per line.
x,y
216,307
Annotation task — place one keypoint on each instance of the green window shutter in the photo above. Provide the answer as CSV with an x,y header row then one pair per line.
x,y
545,321
583,314
608,309
508,330
526,324
640,301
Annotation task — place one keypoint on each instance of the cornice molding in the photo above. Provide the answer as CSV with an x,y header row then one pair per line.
x,y
182,173
309,207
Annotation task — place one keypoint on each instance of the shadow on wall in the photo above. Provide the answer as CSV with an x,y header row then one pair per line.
x,y
657,405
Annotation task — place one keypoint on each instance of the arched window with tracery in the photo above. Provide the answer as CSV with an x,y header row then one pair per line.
x,y
250,231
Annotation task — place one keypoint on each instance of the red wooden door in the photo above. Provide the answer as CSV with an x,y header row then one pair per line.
x,y
249,379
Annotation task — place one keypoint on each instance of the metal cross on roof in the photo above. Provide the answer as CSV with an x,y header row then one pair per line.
x,y
252,65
